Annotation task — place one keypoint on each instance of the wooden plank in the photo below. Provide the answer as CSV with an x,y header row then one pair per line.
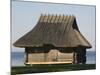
x,y
49,62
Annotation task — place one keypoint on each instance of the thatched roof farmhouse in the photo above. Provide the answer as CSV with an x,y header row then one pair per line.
x,y
55,39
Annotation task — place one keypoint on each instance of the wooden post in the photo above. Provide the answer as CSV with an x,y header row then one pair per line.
x,y
26,54
84,56
74,57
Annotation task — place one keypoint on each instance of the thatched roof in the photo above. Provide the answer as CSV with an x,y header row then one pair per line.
x,y
57,30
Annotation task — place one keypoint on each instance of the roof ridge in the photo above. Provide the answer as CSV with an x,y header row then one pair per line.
x,y
51,18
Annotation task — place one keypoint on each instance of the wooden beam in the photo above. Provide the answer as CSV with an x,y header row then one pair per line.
x,y
26,55
49,62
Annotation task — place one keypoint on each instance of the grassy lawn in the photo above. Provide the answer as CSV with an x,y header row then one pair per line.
x,y
50,68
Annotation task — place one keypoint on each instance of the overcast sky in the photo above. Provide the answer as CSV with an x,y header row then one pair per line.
x,y
26,14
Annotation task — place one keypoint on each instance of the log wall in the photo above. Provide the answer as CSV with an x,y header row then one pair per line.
x,y
53,55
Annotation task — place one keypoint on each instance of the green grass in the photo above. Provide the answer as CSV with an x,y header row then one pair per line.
x,y
50,68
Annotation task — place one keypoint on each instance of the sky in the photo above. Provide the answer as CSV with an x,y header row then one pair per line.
x,y
26,14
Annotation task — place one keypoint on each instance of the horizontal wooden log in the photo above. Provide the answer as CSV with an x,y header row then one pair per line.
x,y
70,61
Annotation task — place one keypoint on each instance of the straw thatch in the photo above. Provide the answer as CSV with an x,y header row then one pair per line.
x,y
56,30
